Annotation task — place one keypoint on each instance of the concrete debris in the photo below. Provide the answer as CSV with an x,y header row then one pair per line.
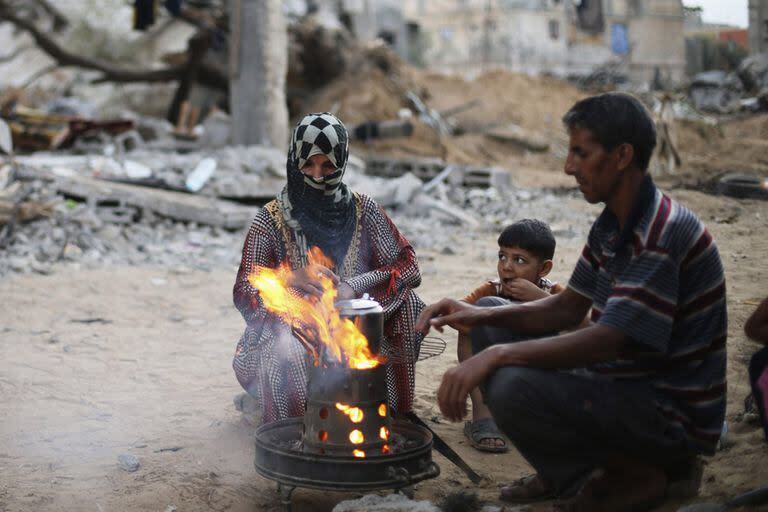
x,y
716,92
429,116
726,93
91,221
252,172
175,205
430,168
389,503
371,130
517,136
602,78
753,72
128,462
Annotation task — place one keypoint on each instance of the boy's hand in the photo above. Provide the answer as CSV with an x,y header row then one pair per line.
x,y
523,290
454,313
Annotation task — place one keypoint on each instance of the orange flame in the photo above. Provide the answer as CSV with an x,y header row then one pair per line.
x,y
355,413
314,319
356,437
358,453
383,410
384,433
385,449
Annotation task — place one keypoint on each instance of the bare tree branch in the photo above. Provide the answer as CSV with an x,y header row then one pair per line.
x,y
60,21
208,75
66,58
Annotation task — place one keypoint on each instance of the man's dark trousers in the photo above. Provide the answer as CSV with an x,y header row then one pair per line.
x,y
567,423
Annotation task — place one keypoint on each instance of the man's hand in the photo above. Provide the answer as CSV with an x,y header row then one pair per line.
x,y
523,290
454,313
307,279
460,380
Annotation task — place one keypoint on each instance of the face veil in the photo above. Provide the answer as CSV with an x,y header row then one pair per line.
x,y
323,210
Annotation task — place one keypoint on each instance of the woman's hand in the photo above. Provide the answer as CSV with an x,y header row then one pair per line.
x,y
523,290
345,292
307,279
454,313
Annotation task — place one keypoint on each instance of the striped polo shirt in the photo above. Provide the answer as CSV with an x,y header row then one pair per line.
x,y
660,282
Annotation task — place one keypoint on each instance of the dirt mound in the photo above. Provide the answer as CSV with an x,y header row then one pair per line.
x,y
709,151
377,89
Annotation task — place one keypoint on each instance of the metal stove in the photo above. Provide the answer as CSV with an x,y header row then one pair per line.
x,y
347,439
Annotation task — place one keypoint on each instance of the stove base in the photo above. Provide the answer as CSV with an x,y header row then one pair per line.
x,y
279,458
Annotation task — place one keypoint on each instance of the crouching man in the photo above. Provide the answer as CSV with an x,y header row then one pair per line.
x,y
611,414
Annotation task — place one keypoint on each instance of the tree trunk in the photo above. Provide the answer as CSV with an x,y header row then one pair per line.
x,y
258,67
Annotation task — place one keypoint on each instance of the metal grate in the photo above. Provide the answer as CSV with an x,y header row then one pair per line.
x,y
431,346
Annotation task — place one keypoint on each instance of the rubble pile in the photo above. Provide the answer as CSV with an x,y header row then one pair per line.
x,y
103,231
745,89
450,217
83,234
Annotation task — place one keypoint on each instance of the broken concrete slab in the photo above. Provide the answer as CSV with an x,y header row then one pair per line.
x,y
517,136
427,169
175,205
247,172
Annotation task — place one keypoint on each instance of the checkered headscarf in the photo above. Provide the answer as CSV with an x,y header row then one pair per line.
x,y
324,208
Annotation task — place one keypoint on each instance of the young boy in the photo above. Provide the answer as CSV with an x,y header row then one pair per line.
x,y
526,249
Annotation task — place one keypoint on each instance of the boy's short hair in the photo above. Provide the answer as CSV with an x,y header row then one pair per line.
x,y
616,118
532,235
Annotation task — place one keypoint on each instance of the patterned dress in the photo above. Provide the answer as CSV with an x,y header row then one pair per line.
x,y
271,364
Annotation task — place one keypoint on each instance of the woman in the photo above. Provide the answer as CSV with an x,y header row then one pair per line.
x,y
370,255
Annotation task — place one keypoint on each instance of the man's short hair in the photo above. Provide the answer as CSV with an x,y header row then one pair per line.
x,y
614,119
532,235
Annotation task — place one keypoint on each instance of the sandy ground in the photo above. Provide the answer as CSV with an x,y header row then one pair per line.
x,y
99,362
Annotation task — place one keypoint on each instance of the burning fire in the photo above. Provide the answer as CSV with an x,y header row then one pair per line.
x,y
359,453
384,433
356,437
314,319
355,413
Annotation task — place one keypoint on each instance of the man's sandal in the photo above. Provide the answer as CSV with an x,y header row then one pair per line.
x,y
528,489
484,429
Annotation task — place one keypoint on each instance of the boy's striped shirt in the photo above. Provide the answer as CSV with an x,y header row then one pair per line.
x,y
660,281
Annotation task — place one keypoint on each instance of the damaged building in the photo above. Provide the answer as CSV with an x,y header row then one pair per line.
x,y
758,26
563,37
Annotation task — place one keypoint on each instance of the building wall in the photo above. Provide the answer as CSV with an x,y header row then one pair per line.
x,y
379,18
657,41
758,26
737,36
536,36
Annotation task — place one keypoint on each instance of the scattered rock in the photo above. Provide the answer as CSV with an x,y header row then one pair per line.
x,y
460,501
128,462
389,503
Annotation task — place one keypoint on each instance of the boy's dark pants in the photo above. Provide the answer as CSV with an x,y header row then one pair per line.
x,y
566,423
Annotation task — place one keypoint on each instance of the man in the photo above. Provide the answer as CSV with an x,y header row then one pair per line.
x,y
608,414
